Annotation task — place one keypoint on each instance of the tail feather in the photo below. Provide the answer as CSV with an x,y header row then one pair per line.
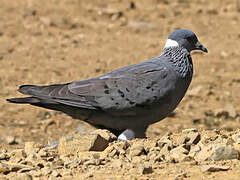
x,y
39,90
27,100
48,96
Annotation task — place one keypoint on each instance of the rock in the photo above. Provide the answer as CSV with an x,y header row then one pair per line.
x,y
137,149
154,154
84,142
149,144
214,168
11,140
116,16
43,115
32,148
181,175
22,177
216,152
179,154
165,141
146,169
4,155
46,171
117,164
196,120
45,20
237,147
36,173
106,134
4,168
14,167
236,138
193,138
89,158
228,112
231,111
194,150
99,144
178,178
223,152
223,54
90,162
56,174
29,12
17,155
164,154
189,130
89,175
116,149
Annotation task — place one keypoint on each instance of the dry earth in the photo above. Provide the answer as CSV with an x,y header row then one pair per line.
x,y
51,41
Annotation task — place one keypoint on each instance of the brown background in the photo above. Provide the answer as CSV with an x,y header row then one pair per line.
x,y
52,41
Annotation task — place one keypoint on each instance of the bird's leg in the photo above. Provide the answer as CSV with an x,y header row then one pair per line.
x,y
52,144
130,134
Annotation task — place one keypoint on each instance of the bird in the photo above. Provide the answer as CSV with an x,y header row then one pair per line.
x,y
129,99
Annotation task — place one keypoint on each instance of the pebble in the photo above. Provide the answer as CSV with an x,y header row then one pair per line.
x,y
179,154
22,177
11,140
193,138
96,141
4,168
137,156
223,152
214,168
137,149
146,169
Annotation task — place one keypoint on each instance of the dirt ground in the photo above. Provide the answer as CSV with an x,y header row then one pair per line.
x,y
50,41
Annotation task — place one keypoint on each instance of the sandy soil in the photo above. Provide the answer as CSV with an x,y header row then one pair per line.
x,y
51,41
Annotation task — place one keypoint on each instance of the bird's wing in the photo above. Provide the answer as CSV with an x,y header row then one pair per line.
x,y
128,90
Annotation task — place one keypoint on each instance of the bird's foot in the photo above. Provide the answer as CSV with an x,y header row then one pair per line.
x,y
126,135
52,144
130,134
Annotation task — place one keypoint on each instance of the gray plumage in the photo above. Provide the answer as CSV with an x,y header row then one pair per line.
x,y
132,97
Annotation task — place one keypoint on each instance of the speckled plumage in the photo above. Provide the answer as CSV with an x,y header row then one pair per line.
x,y
132,97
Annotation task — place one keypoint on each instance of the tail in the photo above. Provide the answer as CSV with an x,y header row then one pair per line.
x,y
27,100
50,97
39,94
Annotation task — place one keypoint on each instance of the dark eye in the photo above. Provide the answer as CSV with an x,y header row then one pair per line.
x,y
189,38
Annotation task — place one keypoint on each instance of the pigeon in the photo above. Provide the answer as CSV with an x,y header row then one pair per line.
x,y
127,100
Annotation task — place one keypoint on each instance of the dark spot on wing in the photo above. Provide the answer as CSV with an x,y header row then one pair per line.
x,y
106,91
154,82
127,90
105,86
130,102
115,83
121,93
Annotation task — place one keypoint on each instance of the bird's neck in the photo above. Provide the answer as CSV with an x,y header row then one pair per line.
x,y
179,59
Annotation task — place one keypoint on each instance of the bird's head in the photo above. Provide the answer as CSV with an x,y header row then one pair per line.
x,y
186,39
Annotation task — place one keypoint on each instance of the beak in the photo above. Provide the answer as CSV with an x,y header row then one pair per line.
x,y
199,46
